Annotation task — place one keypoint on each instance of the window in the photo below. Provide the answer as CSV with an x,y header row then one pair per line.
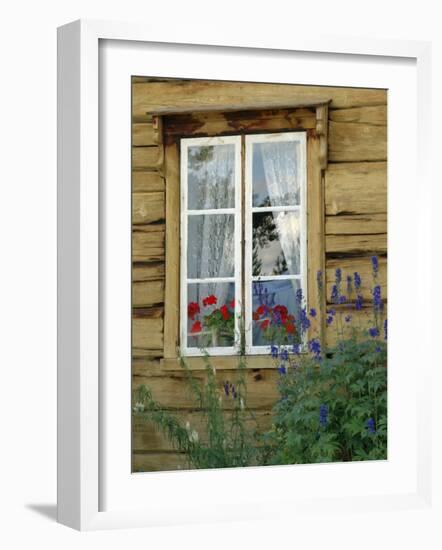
x,y
243,235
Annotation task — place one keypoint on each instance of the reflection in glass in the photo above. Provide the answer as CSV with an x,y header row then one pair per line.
x,y
211,176
276,243
275,174
270,294
210,246
204,337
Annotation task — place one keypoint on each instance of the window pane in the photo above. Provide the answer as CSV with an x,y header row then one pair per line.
x,y
211,323
268,294
210,246
276,243
276,174
211,176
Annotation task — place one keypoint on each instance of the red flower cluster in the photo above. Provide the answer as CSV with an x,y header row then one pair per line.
x,y
192,309
224,312
277,315
196,327
209,301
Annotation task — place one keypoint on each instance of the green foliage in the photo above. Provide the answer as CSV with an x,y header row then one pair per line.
x,y
226,441
349,385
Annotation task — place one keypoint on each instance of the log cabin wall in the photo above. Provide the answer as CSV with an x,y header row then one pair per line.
x,y
355,194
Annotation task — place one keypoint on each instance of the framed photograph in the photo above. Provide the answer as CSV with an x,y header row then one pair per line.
x,y
234,230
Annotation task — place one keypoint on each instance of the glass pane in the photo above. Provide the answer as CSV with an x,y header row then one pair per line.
x,y
211,176
210,246
265,296
276,243
276,178
211,315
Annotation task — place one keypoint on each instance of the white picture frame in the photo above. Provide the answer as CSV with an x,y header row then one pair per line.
x,y
81,470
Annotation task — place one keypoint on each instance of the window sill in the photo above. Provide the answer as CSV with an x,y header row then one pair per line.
x,y
223,362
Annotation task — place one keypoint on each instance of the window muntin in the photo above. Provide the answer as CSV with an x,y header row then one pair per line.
x,y
274,209
210,236
275,227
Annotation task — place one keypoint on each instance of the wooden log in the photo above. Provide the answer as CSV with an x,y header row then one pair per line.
x,y
144,158
364,224
356,244
146,366
218,123
148,207
143,134
350,141
147,181
158,461
147,246
203,95
147,293
376,115
148,312
148,272
147,334
146,437
172,390
362,266
220,362
356,188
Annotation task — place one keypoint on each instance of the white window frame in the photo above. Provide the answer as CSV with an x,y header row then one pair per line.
x,y
296,137
185,143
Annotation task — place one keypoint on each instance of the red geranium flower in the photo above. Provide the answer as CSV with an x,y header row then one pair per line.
x,y
282,310
232,304
224,312
265,324
261,310
192,309
290,328
255,315
209,300
196,327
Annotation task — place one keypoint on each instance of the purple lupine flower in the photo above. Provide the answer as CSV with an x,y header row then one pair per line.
x,y
334,294
274,351
312,312
358,302
331,312
323,415
342,299
371,426
282,369
315,347
304,320
375,265
385,329
319,280
373,332
377,299
296,349
347,318
299,295
329,319
338,276
357,279
284,355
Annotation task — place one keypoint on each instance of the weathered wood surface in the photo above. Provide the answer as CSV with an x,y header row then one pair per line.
x,y
144,158
143,134
148,246
208,124
148,207
356,188
362,266
356,244
353,141
364,224
366,115
148,272
147,293
172,390
360,320
143,180
147,336
200,95
146,437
